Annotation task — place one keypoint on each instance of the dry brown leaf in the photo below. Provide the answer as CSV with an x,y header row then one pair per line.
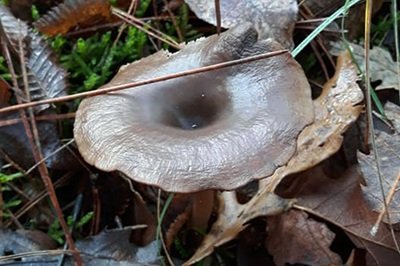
x,y
232,218
336,108
15,242
61,18
388,148
340,201
113,248
382,66
5,92
272,18
294,238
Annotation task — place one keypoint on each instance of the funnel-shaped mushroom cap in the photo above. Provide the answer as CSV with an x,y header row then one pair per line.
x,y
219,129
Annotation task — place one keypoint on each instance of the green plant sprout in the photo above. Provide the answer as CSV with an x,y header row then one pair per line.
x,y
56,233
12,202
94,60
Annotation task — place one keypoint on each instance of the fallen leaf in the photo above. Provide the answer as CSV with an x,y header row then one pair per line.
x,y
340,201
382,66
272,18
15,143
295,238
388,149
113,248
336,108
233,217
20,241
61,18
21,9
46,78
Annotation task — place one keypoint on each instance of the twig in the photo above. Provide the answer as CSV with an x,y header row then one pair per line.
x,y
218,15
144,82
174,22
75,213
143,27
49,156
388,200
320,60
49,117
32,135
37,198
367,35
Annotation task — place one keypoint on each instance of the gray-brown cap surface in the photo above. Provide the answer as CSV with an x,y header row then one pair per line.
x,y
214,130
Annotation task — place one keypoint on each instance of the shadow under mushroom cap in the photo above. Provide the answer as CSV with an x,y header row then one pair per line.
x,y
219,129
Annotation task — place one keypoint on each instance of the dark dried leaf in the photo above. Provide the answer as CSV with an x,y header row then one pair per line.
x,y
272,18
382,66
13,30
60,19
341,202
388,148
21,9
294,238
113,248
46,78
25,241
14,142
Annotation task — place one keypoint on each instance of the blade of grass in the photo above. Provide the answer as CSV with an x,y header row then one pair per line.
x,y
322,26
346,43
396,40
160,218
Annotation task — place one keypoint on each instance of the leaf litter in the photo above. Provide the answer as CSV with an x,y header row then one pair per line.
x,y
382,66
272,18
388,147
346,201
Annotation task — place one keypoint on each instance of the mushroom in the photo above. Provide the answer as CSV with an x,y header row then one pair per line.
x,y
215,130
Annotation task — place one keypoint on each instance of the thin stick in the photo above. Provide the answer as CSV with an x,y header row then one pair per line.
x,y
49,117
218,15
34,139
143,27
367,35
389,198
144,82
49,156
174,22
396,40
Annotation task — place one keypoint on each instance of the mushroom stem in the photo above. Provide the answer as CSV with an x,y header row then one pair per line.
x,y
202,207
